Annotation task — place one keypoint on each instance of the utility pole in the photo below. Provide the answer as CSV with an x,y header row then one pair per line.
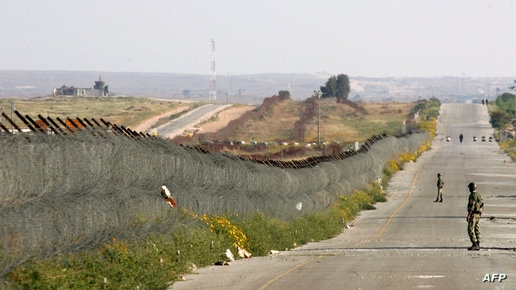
x,y
318,94
12,109
213,75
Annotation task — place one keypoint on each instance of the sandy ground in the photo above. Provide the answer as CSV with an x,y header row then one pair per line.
x,y
224,118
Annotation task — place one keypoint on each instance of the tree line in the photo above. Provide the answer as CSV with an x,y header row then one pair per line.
x,y
336,87
505,113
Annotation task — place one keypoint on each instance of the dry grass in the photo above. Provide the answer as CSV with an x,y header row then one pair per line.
x,y
274,124
343,124
339,122
127,111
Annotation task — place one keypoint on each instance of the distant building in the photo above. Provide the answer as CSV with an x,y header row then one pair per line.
x,y
99,90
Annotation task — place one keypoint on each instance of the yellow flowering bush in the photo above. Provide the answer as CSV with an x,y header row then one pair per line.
x,y
429,126
220,225
190,214
116,252
348,206
390,168
426,146
408,157
361,198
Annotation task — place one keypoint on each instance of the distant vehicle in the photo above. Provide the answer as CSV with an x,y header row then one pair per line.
x,y
483,138
474,138
490,138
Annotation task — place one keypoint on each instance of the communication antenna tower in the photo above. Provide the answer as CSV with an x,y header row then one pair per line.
x,y
213,74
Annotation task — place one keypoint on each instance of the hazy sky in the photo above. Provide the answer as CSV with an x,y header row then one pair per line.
x,y
356,37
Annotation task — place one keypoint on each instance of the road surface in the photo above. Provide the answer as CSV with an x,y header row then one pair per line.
x,y
409,242
189,120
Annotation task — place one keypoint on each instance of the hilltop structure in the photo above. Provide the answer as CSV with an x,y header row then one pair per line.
x,y
99,90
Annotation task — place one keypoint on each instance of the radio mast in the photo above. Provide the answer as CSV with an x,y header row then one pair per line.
x,y
213,75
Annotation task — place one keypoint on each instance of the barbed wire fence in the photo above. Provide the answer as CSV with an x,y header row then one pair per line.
x,y
61,193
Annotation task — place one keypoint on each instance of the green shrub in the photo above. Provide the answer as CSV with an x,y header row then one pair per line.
x,y
266,233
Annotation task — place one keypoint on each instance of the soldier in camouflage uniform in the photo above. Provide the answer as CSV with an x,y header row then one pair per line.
x,y
440,184
475,206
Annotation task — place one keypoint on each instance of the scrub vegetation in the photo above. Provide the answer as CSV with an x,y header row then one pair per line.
x,y
502,113
127,111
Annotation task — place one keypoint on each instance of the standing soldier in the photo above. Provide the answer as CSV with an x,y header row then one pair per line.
x,y
475,206
440,184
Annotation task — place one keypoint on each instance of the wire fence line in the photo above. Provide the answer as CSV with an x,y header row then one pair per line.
x,y
63,193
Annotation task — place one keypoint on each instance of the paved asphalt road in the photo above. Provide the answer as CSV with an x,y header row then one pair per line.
x,y
189,120
409,242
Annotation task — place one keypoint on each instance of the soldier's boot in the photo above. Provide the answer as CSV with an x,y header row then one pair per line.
x,y
441,200
472,248
436,200
477,247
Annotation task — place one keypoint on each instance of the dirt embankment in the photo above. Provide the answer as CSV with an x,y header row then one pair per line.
x,y
236,122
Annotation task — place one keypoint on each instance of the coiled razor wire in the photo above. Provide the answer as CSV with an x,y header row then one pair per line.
x,y
62,193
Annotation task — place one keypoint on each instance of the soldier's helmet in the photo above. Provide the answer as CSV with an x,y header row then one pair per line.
x,y
438,174
472,186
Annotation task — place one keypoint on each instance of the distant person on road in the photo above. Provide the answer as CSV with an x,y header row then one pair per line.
x,y
440,184
461,137
475,206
